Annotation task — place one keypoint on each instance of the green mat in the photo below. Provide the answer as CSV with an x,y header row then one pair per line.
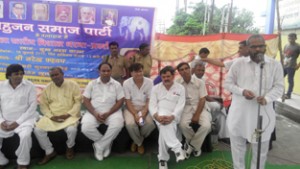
x,y
214,160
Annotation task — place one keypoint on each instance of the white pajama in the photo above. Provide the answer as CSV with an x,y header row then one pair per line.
x,y
89,129
195,139
44,140
238,151
167,139
23,151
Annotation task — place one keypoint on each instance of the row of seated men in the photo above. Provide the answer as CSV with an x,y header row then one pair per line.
x,y
166,106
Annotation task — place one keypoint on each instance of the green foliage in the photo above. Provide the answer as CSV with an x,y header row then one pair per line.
x,y
193,24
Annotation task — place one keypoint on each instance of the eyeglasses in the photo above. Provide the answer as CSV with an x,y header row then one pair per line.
x,y
257,46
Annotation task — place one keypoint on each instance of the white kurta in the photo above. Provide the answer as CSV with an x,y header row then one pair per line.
x,y
167,102
18,104
245,74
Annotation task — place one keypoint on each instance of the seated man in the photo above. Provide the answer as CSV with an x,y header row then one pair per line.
x,y
139,123
166,104
18,114
195,121
103,98
217,110
60,105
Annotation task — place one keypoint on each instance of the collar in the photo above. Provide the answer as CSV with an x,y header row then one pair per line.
x,y
98,80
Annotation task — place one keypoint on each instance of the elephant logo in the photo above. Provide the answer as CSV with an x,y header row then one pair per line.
x,y
134,28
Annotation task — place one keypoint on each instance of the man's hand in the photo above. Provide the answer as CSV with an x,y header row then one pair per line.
x,y
65,116
13,126
4,126
103,117
8,126
248,94
261,100
195,118
57,119
168,119
164,120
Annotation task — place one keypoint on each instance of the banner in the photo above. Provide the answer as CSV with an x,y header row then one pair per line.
x,y
43,34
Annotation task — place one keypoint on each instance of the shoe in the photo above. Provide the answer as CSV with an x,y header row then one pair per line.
x,y
197,153
47,158
98,154
270,145
70,153
107,151
133,147
163,164
22,167
141,149
180,156
287,96
2,166
188,151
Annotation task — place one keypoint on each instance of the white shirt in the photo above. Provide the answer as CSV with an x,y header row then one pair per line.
x,y
138,96
245,74
167,102
17,104
194,90
104,95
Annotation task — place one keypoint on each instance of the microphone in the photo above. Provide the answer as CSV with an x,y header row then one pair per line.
x,y
261,57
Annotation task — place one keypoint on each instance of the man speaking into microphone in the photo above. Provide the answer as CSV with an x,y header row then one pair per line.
x,y
245,81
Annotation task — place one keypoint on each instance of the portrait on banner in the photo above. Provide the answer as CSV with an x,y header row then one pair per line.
x,y
63,13
40,12
17,10
109,17
86,15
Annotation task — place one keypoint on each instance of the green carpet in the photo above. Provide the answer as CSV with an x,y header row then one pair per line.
x,y
214,160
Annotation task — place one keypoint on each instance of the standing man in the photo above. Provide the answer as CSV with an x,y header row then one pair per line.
x,y
243,80
139,123
166,105
144,57
291,53
60,105
117,61
195,121
243,51
103,98
18,114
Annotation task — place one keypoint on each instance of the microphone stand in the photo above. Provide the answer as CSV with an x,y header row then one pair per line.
x,y
259,120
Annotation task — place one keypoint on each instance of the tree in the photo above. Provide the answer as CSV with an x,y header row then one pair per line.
x,y
193,24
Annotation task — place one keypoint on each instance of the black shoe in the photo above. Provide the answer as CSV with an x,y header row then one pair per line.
x,y
270,145
287,96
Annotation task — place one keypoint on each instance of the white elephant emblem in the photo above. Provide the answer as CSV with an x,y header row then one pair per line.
x,y
134,28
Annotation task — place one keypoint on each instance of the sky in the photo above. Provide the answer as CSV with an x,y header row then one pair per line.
x,y
165,9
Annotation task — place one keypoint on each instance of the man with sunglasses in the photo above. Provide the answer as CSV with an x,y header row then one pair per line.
x,y
254,81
